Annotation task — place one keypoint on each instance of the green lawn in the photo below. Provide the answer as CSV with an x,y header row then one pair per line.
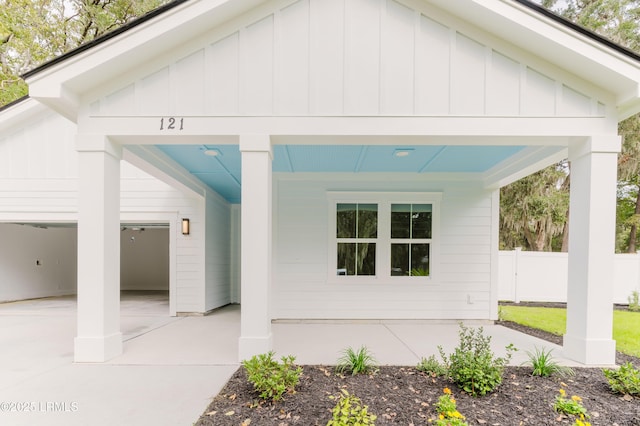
x,y
626,325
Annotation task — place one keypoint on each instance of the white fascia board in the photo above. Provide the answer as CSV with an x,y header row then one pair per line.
x,y
79,73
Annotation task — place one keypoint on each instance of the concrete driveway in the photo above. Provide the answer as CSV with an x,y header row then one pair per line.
x,y
172,366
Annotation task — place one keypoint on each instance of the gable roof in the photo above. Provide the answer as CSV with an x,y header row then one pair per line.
x,y
594,58
162,9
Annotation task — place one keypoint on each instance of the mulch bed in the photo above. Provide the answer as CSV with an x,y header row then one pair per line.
x,y
404,396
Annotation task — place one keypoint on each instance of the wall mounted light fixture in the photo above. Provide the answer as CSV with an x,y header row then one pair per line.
x,y
185,227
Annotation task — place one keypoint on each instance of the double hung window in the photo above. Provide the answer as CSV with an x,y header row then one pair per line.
x,y
380,235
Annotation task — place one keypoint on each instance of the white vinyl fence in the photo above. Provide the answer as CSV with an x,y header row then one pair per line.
x,y
542,276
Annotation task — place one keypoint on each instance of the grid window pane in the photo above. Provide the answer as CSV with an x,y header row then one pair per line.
x,y
409,260
366,258
401,221
346,259
420,259
399,260
346,220
356,259
420,221
367,221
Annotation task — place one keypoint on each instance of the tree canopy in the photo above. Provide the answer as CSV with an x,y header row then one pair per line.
x,y
35,31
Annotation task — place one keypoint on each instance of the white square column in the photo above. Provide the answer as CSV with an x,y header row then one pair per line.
x,y
591,251
99,338
255,246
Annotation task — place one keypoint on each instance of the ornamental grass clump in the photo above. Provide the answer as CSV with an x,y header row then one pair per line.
x,y
349,411
473,365
356,361
270,378
544,365
448,414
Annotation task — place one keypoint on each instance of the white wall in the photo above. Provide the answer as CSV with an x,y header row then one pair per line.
x,y
357,57
542,276
144,259
37,262
302,287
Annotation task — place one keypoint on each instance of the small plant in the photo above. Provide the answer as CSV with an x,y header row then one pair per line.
x,y
570,406
472,365
349,411
543,364
448,414
271,378
432,367
634,301
581,421
625,379
356,362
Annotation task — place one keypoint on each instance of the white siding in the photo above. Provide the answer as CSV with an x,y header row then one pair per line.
x,y
356,57
461,286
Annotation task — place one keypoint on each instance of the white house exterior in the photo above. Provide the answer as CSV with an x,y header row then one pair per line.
x,y
353,146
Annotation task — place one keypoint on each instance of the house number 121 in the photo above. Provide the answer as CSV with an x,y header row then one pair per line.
x,y
172,123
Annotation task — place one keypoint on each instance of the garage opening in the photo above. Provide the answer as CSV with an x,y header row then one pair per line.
x,y
39,260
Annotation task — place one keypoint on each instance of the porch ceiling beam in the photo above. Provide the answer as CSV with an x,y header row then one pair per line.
x,y
329,130
524,163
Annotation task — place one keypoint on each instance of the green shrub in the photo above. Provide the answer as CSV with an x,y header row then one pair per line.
x,y
472,365
355,362
349,411
543,364
432,367
270,378
634,301
625,380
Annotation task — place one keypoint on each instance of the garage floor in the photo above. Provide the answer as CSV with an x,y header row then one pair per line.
x,y
172,366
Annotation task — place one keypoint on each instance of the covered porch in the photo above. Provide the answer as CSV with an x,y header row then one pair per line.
x,y
472,98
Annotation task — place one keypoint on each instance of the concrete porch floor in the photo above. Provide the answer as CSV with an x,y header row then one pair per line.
x,y
173,366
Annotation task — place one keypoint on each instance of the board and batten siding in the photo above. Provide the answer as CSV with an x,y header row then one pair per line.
x,y
39,169
302,289
39,183
353,58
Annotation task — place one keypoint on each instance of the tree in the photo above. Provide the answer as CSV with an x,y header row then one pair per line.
x,y
34,31
533,210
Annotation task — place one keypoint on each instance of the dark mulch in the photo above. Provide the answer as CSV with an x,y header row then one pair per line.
x,y
404,396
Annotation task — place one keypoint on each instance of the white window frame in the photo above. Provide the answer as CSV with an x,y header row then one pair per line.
x,y
384,200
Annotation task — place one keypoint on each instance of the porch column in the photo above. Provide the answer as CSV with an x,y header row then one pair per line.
x,y
591,251
255,246
99,338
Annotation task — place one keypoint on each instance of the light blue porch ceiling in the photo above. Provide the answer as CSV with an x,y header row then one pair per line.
x,y
222,172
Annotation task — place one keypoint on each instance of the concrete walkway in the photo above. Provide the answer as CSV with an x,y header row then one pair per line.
x,y
172,367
